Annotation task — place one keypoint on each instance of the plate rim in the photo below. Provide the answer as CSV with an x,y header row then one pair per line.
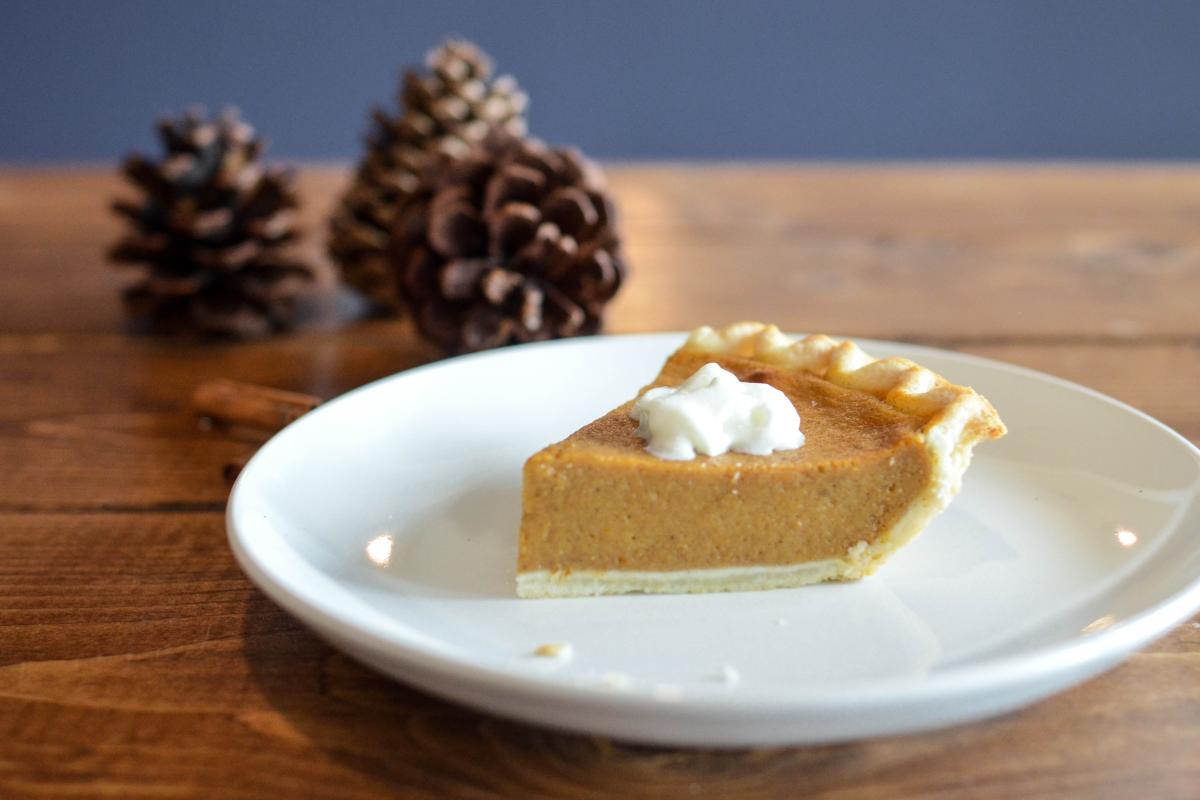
x,y
1106,647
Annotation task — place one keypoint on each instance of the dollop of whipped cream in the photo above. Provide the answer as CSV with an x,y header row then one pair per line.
x,y
713,412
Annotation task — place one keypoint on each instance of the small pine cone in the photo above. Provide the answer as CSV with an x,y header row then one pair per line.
x,y
442,113
211,233
514,242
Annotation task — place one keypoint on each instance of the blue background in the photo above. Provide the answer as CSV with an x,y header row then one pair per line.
x,y
862,79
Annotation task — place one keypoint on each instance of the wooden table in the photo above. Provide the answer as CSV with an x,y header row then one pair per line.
x,y
137,661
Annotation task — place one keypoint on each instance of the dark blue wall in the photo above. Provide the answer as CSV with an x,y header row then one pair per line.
x,y
864,79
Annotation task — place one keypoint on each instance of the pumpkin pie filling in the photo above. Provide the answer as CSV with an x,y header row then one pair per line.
x,y
603,515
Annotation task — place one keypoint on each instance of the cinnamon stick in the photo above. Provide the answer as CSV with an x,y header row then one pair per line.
x,y
250,405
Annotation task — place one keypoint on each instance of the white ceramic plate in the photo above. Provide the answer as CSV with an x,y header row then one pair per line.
x,y
386,520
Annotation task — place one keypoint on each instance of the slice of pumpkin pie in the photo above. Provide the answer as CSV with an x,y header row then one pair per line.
x,y
753,461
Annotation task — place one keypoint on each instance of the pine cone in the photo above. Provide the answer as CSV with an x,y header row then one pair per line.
x,y
443,112
211,233
514,242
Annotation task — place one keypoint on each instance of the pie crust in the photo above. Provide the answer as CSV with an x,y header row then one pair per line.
x,y
575,532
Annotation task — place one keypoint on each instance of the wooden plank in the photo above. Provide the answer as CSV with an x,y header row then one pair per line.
x,y
927,250
105,422
150,667
101,423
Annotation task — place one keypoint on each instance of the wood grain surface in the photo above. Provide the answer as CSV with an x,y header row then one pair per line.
x,y
137,662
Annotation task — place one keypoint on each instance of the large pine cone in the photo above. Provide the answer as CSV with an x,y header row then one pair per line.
x,y
455,105
211,233
514,242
